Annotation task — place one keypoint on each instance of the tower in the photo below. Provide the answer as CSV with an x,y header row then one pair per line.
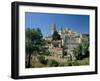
x,y
53,28
60,31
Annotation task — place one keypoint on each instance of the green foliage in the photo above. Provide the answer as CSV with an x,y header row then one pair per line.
x,y
69,60
29,46
34,35
62,64
86,49
56,36
33,39
33,42
84,61
82,51
44,51
42,59
52,63
78,52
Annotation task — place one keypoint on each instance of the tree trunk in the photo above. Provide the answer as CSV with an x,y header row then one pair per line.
x,y
63,52
29,58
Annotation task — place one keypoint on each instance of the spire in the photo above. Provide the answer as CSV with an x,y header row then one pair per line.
x,y
53,28
61,29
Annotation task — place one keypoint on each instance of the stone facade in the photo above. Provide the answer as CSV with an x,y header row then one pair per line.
x,y
69,41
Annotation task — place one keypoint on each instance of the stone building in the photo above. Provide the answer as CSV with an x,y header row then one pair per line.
x,y
69,41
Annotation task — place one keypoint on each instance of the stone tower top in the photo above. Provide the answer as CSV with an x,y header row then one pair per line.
x,y
53,28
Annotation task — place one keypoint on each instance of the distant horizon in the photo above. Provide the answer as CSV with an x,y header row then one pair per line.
x,y
44,21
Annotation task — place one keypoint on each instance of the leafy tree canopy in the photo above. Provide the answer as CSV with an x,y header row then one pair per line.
x,y
33,38
56,36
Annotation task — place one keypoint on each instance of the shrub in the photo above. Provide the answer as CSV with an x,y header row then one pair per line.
x,y
62,64
84,61
42,59
82,51
52,63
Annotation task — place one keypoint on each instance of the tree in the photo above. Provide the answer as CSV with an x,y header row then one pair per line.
x,y
56,36
29,50
33,39
78,52
82,50
39,37
86,49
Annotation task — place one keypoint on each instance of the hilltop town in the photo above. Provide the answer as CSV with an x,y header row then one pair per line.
x,y
60,48
66,43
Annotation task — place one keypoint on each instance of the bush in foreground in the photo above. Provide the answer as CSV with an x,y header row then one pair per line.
x,y
42,59
53,63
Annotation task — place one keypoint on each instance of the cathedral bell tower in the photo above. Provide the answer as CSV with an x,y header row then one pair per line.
x,y
53,28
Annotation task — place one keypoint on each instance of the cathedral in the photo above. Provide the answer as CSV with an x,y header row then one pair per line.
x,y
69,40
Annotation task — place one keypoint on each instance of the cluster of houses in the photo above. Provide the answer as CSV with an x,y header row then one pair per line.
x,y
68,42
